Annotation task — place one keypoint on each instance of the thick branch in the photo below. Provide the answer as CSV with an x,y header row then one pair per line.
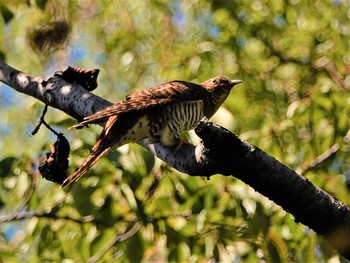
x,y
224,153
221,152
70,98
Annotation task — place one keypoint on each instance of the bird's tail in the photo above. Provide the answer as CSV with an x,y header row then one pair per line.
x,y
97,153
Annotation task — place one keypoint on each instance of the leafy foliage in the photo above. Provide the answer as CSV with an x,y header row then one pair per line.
x,y
293,57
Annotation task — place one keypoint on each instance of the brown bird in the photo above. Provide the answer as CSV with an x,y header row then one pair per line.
x,y
158,114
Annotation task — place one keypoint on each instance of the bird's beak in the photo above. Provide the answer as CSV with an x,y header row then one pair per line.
x,y
235,82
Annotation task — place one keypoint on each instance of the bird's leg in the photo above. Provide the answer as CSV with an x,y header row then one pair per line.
x,y
181,142
153,139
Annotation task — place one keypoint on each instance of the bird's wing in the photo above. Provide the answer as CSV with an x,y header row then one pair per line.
x,y
156,96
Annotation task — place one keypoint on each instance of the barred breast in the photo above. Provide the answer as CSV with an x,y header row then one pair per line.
x,y
176,118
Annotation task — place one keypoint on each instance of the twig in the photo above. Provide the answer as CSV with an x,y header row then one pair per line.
x,y
30,214
320,159
330,67
28,193
158,175
42,121
112,242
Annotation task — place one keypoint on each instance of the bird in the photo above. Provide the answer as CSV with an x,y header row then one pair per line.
x,y
156,114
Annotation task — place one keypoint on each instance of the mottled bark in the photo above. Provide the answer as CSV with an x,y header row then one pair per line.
x,y
54,91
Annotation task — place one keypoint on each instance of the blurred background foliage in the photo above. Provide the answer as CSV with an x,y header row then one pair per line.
x,y
294,59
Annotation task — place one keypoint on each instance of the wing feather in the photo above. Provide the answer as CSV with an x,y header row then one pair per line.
x,y
156,96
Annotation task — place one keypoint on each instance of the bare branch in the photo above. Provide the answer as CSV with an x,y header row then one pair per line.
x,y
70,98
221,152
30,214
27,195
321,158
224,153
118,238
326,64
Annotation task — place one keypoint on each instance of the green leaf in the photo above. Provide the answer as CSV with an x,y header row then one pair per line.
x,y
135,246
2,56
6,166
6,13
41,4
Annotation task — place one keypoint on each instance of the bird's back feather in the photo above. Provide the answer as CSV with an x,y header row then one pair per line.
x,y
156,96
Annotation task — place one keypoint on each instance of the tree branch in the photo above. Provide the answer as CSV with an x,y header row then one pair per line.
x,y
221,152
73,99
30,214
127,233
224,153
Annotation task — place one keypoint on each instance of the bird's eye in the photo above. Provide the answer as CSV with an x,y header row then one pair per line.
x,y
215,81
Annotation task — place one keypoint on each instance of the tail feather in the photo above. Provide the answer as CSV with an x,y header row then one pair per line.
x,y
96,154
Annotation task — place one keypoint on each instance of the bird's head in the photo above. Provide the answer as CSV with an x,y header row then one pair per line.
x,y
219,88
220,83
